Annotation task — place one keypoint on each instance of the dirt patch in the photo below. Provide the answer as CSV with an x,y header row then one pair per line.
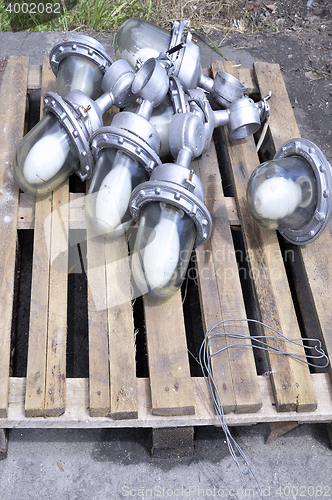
x,y
299,39
296,34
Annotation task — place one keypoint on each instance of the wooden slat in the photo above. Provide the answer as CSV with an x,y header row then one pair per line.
x,y
12,111
121,331
241,360
291,380
247,77
3,443
232,213
26,211
77,411
211,315
282,120
316,256
99,386
36,369
35,77
55,397
169,371
77,218
317,263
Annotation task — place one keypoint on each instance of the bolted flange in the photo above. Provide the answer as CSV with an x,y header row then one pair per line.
x,y
323,174
126,141
81,45
71,119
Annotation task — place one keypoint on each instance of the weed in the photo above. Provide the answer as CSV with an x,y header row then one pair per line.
x,y
107,15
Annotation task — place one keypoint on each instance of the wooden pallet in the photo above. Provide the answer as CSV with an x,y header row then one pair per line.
x,y
113,396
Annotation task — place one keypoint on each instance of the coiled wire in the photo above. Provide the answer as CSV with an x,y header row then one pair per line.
x,y
261,342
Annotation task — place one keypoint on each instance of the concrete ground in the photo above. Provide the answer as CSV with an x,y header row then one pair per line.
x,y
115,464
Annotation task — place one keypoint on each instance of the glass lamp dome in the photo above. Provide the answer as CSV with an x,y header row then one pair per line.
x,y
291,193
79,63
140,39
163,246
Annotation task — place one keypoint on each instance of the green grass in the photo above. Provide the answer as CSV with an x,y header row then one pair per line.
x,y
107,15
94,15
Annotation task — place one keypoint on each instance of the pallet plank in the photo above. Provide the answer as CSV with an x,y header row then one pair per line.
x,y
172,442
211,315
290,379
121,331
26,211
169,371
317,256
13,90
37,348
77,411
99,385
35,76
240,360
55,396
3,443
170,398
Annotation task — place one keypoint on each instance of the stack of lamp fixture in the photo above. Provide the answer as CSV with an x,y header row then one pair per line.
x,y
139,166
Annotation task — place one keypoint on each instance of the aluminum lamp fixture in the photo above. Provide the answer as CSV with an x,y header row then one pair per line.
x,y
171,214
292,192
79,63
242,118
138,39
175,101
125,154
59,144
226,89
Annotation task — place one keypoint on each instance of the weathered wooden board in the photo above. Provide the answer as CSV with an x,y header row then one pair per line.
x,y
121,331
168,357
13,91
291,379
36,369
113,396
234,370
77,412
317,256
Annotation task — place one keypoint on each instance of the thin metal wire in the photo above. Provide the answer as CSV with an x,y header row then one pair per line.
x,y
205,356
263,134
